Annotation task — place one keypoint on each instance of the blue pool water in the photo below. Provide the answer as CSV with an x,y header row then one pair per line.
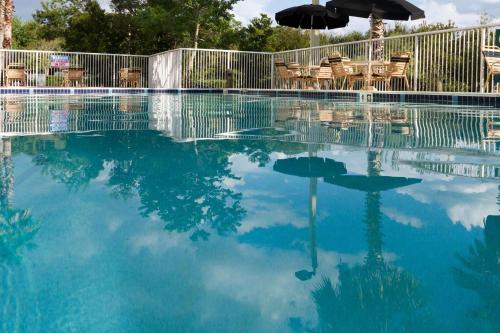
x,y
212,213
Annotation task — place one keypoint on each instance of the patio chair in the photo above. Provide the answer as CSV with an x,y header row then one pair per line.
x,y
397,69
74,76
342,71
284,74
322,76
492,58
16,74
297,77
130,77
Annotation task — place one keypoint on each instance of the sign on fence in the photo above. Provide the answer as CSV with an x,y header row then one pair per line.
x,y
59,61
59,121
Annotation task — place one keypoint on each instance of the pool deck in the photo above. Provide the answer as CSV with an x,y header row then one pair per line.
x,y
442,98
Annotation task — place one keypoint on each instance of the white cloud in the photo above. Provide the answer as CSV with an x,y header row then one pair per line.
x,y
245,10
402,218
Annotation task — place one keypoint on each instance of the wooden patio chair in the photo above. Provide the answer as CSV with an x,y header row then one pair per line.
x,y
296,79
16,74
130,77
74,76
322,76
397,69
342,71
283,73
492,58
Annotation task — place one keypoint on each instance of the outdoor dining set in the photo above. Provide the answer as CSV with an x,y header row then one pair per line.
x,y
72,76
336,69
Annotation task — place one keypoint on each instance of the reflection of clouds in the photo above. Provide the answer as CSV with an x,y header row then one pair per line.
x,y
267,214
402,218
240,164
466,202
260,278
105,173
254,280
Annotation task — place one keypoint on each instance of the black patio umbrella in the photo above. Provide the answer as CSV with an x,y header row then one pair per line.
x,y
311,167
311,17
399,10
372,183
382,9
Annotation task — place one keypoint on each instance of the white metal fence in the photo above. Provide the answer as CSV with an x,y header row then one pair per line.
x,y
448,60
45,68
202,68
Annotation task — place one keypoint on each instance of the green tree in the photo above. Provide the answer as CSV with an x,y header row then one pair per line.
x,y
54,16
25,33
284,38
88,30
256,36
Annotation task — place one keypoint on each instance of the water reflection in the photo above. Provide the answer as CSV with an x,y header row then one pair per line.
x,y
376,296
17,227
236,185
480,272
313,168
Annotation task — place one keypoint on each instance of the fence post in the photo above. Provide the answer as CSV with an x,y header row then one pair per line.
x,y
37,60
181,60
272,71
114,70
481,65
416,64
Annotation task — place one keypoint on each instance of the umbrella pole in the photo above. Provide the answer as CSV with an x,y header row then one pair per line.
x,y
314,37
313,203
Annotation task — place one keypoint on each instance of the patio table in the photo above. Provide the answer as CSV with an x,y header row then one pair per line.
x,y
361,66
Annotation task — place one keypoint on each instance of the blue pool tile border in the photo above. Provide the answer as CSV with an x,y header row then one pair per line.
x,y
453,99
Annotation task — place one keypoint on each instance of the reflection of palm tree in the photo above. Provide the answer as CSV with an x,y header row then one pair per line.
x,y
375,296
17,228
480,272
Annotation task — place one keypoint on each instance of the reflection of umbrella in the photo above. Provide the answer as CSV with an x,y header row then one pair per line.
x,y
399,10
373,183
312,16
311,167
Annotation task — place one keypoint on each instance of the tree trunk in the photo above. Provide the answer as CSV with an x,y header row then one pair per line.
x,y
7,21
2,22
377,31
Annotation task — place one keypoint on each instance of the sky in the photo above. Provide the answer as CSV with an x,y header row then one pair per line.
x,y
462,12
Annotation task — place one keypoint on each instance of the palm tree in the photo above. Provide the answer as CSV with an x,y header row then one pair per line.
x,y
377,31
6,17
7,22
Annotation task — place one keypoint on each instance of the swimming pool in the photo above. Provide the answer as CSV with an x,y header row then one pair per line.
x,y
232,213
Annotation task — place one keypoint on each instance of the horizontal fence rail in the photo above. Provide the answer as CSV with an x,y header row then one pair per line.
x,y
50,68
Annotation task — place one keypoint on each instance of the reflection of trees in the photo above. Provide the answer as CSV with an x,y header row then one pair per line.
x,y
185,185
375,296
480,272
17,228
